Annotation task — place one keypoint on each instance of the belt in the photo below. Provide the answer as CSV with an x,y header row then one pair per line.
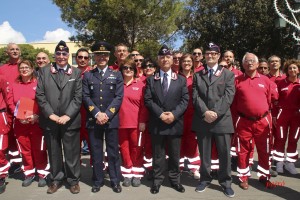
x,y
254,118
3,110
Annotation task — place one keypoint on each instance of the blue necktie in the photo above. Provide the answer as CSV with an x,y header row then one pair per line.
x,y
101,74
165,84
211,72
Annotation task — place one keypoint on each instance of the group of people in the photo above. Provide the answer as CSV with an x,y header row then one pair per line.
x,y
180,113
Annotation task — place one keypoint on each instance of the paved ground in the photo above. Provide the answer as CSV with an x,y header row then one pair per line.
x,y
289,190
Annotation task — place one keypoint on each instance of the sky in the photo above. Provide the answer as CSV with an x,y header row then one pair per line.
x,y
28,21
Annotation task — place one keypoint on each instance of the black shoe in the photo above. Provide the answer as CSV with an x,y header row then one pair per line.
x,y
28,180
178,187
2,185
14,169
202,186
117,188
95,189
155,188
228,192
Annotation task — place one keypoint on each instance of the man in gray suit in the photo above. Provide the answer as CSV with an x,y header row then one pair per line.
x,y
213,93
59,95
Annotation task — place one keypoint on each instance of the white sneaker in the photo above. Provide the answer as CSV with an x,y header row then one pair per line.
x,y
196,175
290,167
279,166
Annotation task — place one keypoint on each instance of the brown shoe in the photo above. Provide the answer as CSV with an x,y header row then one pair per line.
x,y
244,185
53,188
75,189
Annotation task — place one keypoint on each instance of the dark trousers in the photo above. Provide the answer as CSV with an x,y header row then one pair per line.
x,y
223,146
68,141
96,136
159,143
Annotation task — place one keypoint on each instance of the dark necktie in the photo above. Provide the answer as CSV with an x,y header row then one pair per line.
x,y
101,74
165,84
211,72
61,75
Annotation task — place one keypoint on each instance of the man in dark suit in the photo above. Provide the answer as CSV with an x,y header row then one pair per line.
x,y
213,93
103,90
59,95
166,97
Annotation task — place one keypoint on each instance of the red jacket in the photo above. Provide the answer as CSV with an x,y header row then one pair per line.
x,y
289,94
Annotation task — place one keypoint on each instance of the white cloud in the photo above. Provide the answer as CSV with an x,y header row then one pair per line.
x,y
57,35
8,34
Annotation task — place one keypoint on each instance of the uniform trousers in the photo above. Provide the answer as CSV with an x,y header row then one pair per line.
x,y
96,136
32,148
159,143
288,125
260,131
59,140
147,144
83,130
131,152
13,151
4,129
223,147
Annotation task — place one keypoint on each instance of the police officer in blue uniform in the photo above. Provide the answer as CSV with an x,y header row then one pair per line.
x,y
102,96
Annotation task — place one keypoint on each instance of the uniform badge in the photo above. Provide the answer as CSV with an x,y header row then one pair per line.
x,y
91,108
135,88
112,110
156,76
34,88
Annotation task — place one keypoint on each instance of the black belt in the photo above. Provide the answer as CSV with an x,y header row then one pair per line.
x,y
3,110
254,118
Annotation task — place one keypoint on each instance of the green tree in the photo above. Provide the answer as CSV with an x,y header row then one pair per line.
x,y
28,52
243,26
133,22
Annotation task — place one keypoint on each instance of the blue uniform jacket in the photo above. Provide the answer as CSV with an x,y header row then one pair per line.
x,y
103,95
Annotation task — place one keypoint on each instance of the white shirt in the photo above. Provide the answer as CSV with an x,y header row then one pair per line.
x,y
104,70
215,67
168,77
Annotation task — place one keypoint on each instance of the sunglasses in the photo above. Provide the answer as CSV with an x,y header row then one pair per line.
x,y
224,66
127,68
134,54
148,66
58,53
84,57
138,60
197,53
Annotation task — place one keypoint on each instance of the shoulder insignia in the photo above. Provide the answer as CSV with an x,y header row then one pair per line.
x,y
53,69
91,108
174,76
156,76
112,110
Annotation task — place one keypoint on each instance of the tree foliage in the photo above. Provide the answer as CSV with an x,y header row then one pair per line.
x,y
242,26
132,22
28,52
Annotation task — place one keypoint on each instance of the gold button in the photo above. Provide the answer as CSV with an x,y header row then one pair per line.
x,y
100,97
100,105
101,83
100,90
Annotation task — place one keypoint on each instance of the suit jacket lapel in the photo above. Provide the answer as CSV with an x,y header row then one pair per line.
x,y
54,74
66,77
204,74
159,90
96,73
216,75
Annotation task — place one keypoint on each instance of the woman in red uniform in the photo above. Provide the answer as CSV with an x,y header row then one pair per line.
x,y
28,133
149,67
132,124
288,118
189,144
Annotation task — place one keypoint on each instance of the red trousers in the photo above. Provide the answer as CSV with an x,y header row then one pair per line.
x,y
4,129
259,131
189,145
33,149
131,149
288,124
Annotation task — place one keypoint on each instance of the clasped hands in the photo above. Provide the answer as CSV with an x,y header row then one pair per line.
x,y
30,119
60,120
167,117
101,118
210,116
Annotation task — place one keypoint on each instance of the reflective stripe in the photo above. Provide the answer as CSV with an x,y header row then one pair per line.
x,y
43,172
265,171
214,166
290,159
4,118
125,170
260,174
42,143
278,153
147,160
278,158
147,165
13,153
138,175
215,161
5,167
140,139
138,169
15,160
292,154
181,160
245,174
127,175
268,145
297,133
194,159
266,117
243,171
239,147
193,166
20,150
281,132
28,172
279,113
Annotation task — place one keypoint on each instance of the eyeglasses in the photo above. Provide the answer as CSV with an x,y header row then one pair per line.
x,y
224,66
41,58
135,54
197,53
101,54
24,68
138,60
127,68
250,61
176,58
148,66
58,53
211,53
84,57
